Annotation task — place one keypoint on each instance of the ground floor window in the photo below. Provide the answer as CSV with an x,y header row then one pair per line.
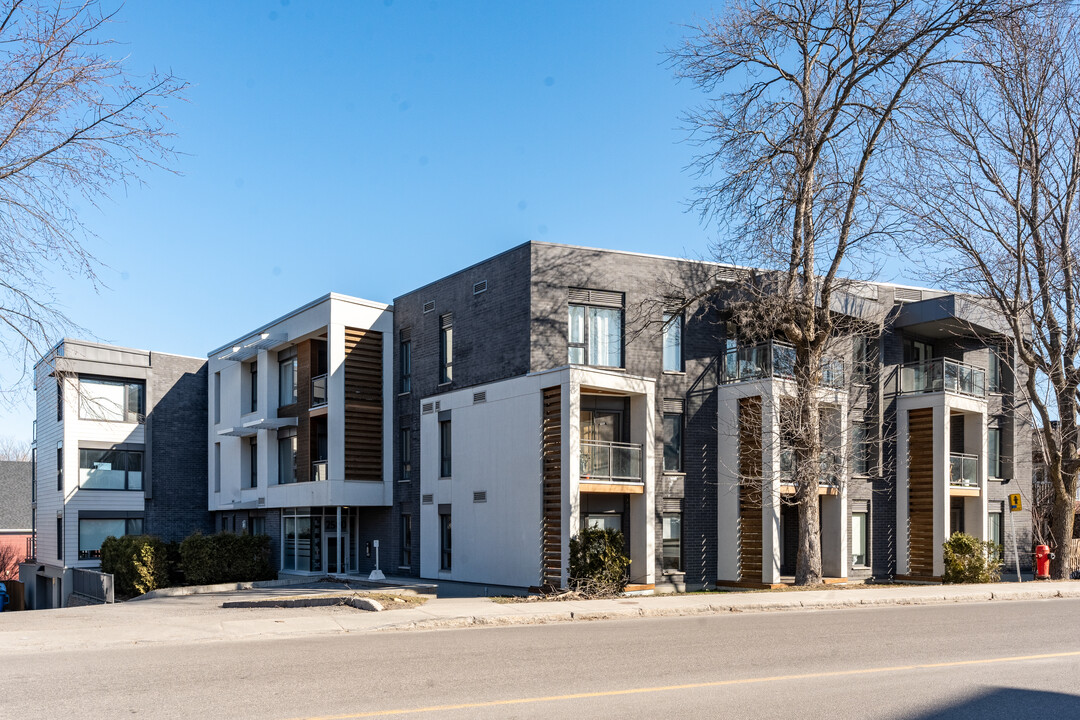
x,y
444,541
858,539
257,525
93,531
673,541
302,543
995,530
406,541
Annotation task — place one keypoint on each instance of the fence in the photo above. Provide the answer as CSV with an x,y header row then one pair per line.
x,y
92,584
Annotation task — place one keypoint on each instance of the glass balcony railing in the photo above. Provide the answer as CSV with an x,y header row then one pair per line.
x,y
829,476
963,470
610,461
319,471
772,359
318,390
942,375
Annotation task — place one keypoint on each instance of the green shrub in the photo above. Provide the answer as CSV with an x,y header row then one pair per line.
x,y
225,557
598,563
138,563
970,560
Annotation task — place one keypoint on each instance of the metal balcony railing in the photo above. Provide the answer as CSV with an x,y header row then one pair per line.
x,y
772,359
319,471
963,470
610,461
942,375
318,390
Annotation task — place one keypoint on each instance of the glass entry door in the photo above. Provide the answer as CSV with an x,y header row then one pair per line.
x,y
334,541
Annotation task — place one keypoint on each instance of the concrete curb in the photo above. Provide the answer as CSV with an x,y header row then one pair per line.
x,y
221,587
360,603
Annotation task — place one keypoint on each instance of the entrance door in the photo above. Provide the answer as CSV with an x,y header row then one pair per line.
x,y
334,564
600,425
956,515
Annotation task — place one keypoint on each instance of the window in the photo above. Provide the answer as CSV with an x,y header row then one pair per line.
x,y
858,539
286,456
446,348
93,531
406,454
110,469
406,366
993,370
60,466
59,538
994,529
673,327
993,446
673,442
864,359
445,456
406,541
253,463
863,449
673,541
253,387
59,398
217,397
33,475
111,400
287,369
444,541
595,336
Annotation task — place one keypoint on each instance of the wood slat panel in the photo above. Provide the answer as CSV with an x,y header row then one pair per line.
x,y
750,526
551,443
363,405
921,491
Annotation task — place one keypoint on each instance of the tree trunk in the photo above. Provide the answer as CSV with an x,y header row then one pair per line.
x,y
1061,532
808,464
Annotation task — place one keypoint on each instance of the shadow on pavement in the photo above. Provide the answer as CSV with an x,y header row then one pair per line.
x,y
1010,703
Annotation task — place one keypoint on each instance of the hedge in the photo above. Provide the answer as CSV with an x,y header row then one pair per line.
x,y
138,563
225,557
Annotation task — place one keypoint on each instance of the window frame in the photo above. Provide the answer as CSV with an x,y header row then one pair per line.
x,y
586,334
288,435
406,366
994,378
993,452
667,543
405,555
446,349
865,536
405,467
137,416
287,359
446,449
673,321
253,387
668,441
446,557
253,462
126,456
129,525
864,449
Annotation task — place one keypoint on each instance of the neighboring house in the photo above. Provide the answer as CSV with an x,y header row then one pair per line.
x,y
16,516
300,425
120,448
536,393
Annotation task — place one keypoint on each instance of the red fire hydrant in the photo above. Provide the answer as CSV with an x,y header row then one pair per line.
x,y
1042,562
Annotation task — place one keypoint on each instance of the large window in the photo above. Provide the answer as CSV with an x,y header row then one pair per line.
x,y
286,456
993,442
864,359
93,531
253,386
595,336
673,442
301,540
858,539
111,400
444,541
406,541
673,541
673,355
993,370
406,454
287,369
863,450
406,366
446,348
445,450
253,463
110,469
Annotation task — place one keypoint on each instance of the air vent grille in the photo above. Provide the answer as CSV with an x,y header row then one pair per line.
x,y
908,294
406,334
479,397
429,306
605,298
427,499
479,496
427,408
479,287
673,405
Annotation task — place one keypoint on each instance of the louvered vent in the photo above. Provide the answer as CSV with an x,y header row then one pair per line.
x,y
446,320
673,405
406,334
479,287
437,403
427,408
727,274
427,499
479,397
672,505
605,298
908,294
479,496
429,306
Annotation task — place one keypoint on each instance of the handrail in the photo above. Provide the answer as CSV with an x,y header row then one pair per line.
x,y
773,358
605,461
942,375
963,470
318,390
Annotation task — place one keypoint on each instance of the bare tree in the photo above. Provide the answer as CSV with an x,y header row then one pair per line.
x,y
994,177
14,449
10,558
804,99
74,125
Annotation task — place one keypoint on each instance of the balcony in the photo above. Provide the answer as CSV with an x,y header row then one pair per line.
x,y
772,359
319,471
318,390
610,461
828,478
942,375
963,470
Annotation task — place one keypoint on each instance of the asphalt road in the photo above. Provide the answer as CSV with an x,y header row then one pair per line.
x,y
987,660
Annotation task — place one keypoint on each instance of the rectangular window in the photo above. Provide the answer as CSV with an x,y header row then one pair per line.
x,y
673,442
111,400
217,467
994,528
863,450
858,539
864,360
993,370
406,541
673,541
217,397
253,461
33,475
60,466
253,386
673,355
595,336
445,450
406,366
286,456
257,525
287,369
59,538
110,469
93,531
444,541
446,348
406,454
993,446
59,398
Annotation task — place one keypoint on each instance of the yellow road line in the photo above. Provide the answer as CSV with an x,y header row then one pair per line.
x,y
689,686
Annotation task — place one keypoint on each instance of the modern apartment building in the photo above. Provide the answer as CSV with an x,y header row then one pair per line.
x,y
551,387
300,427
119,448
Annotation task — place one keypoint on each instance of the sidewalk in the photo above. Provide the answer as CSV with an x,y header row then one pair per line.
x,y
200,618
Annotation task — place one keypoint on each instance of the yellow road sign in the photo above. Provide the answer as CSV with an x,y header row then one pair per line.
x,y
1014,503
